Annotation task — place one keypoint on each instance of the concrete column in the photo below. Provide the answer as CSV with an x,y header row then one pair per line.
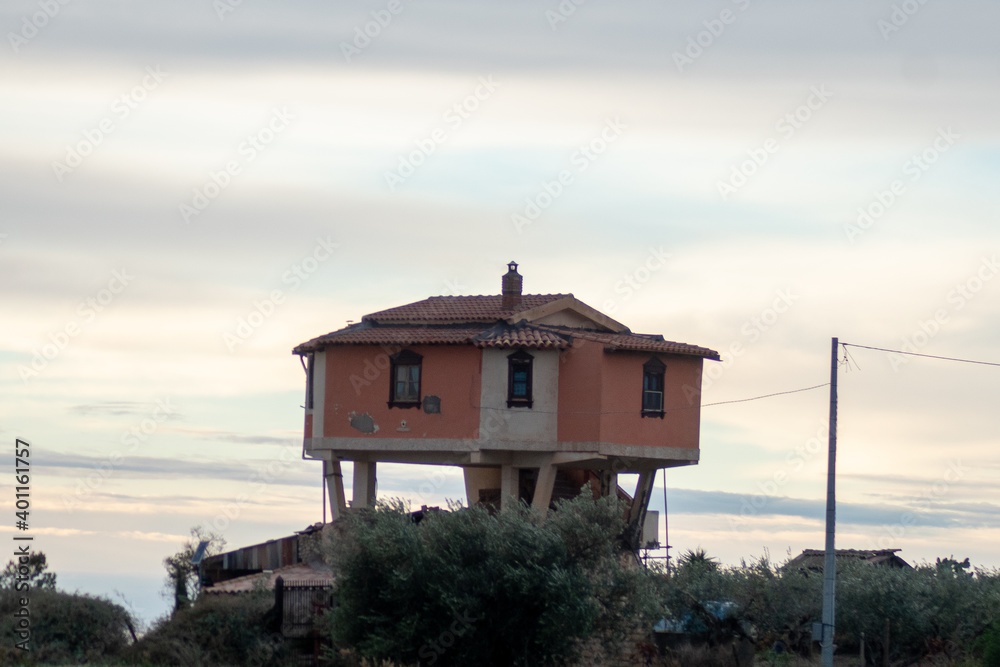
x,y
509,483
609,484
364,484
334,478
640,502
543,487
477,479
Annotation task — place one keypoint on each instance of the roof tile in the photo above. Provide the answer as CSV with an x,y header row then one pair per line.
x,y
456,309
642,343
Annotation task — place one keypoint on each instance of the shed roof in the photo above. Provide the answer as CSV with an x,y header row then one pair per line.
x,y
814,559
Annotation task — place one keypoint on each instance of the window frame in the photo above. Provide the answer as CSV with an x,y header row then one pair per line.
x,y
405,359
515,361
653,369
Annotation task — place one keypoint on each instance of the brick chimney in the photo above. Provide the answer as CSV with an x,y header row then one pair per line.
x,y
511,287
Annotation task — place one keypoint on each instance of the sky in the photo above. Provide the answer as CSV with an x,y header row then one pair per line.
x,y
190,189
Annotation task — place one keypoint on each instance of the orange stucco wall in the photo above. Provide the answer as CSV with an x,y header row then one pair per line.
x,y
621,401
357,380
600,398
579,392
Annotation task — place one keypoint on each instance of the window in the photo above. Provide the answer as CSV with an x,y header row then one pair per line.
x,y
404,387
652,388
519,380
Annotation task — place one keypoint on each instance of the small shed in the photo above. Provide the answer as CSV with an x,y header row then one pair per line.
x,y
812,560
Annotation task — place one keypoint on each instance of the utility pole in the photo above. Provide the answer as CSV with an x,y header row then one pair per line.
x,y
830,563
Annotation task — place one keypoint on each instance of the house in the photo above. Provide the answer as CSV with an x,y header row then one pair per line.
x,y
533,395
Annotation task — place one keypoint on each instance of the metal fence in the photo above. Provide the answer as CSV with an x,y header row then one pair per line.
x,y
301,605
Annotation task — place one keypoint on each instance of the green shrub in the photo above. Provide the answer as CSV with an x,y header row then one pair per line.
x,y
65,628
989,645
467,587
216,630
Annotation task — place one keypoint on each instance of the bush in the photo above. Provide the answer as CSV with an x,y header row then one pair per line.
x,y
467,587
932,609
927,607
65,628
216,630
989,644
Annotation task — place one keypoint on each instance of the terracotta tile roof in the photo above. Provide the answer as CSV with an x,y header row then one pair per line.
x,y
479,321
366,334
639,342
497,335
504,336
457,309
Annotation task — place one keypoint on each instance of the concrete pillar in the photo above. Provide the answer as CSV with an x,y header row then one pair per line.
x,y
640,502
334,478
364,484
609,484
509,486
543,487
477,479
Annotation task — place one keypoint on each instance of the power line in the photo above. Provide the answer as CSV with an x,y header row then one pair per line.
x,y
929,356
780,393
628,412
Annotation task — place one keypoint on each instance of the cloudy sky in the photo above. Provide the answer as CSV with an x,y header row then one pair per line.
x,y
191,188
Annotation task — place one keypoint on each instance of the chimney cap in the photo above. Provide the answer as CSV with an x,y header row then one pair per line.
x,y
511,287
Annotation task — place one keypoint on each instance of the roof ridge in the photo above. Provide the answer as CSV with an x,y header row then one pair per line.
x,y
485,296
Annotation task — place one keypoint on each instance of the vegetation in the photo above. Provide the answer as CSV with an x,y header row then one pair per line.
x,y
516,588
182,575
946,609
37,576
65,628
217,630
468,587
